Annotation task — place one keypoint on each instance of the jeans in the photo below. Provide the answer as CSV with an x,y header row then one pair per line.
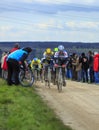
x,y
69,74
85,75
96,75
79,76
91,74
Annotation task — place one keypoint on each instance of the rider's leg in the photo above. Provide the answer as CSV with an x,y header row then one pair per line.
x,y
64,76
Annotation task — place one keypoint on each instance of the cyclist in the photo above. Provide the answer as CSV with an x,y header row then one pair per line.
x,y
36,65
48,53
60,58
54,69
29,63
14,60
47,60
55,50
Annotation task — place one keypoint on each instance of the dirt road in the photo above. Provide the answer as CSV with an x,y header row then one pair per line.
x,y
77,105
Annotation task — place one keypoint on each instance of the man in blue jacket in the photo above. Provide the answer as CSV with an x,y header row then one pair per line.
x,y
13,61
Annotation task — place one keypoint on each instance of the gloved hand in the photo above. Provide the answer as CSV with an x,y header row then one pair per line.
x,y
20,62
55,65
64,65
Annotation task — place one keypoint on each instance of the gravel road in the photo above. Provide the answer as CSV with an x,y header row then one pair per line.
x,y
77,105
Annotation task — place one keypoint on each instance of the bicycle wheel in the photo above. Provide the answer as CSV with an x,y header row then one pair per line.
x,y
42,76
26,78
60,81
35,75
49,76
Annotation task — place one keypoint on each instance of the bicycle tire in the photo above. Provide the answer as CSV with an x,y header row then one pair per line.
x,y
26,78
35,75
49,77
60,82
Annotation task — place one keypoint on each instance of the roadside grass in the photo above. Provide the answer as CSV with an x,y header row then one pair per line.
x,y
23,109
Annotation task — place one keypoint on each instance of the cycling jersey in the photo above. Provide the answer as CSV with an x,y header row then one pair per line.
x,y
61,57
47,58
36,63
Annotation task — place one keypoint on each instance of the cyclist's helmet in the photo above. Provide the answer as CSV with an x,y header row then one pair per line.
x,y
29,61
35,59
55,49
60,47
48,50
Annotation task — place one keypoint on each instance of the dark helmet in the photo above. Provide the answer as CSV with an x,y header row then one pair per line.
x,y
17,45
28,49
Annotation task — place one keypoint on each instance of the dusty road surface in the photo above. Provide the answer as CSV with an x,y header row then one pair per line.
x,y
77,105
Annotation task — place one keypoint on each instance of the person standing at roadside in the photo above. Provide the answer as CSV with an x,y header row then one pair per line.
x,y
96,67
91,71
85,66
14,60
16,47
4,64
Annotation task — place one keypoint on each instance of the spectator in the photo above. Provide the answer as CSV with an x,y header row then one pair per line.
x,y
16,47
74,72
13,60
79,68
69,68
85,66
4,64
91,71
96,67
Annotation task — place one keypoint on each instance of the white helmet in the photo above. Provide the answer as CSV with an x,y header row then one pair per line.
x,y
60,47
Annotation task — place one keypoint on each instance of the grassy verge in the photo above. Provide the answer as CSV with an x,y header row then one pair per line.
x,y
22,109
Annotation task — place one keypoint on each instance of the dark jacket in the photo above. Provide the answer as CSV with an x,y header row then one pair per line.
x,y
85,62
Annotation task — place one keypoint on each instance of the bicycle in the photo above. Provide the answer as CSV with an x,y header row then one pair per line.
x,y
42,75
47,76
59,78
36,73
26,77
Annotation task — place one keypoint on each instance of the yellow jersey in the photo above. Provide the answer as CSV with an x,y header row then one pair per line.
x,y
34,63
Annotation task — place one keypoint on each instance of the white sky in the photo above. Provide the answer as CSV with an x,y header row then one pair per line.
x,y
49,20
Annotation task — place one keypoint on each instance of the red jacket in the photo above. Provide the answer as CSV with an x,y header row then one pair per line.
x,y
5,66
13,49
96,63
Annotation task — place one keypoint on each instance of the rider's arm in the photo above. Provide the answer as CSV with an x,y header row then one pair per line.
x,y
32,64
23,58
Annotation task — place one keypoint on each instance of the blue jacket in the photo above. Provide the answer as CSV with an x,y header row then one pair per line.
x,y
19,55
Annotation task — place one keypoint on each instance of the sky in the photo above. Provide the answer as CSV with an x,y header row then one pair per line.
x,y
49,20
